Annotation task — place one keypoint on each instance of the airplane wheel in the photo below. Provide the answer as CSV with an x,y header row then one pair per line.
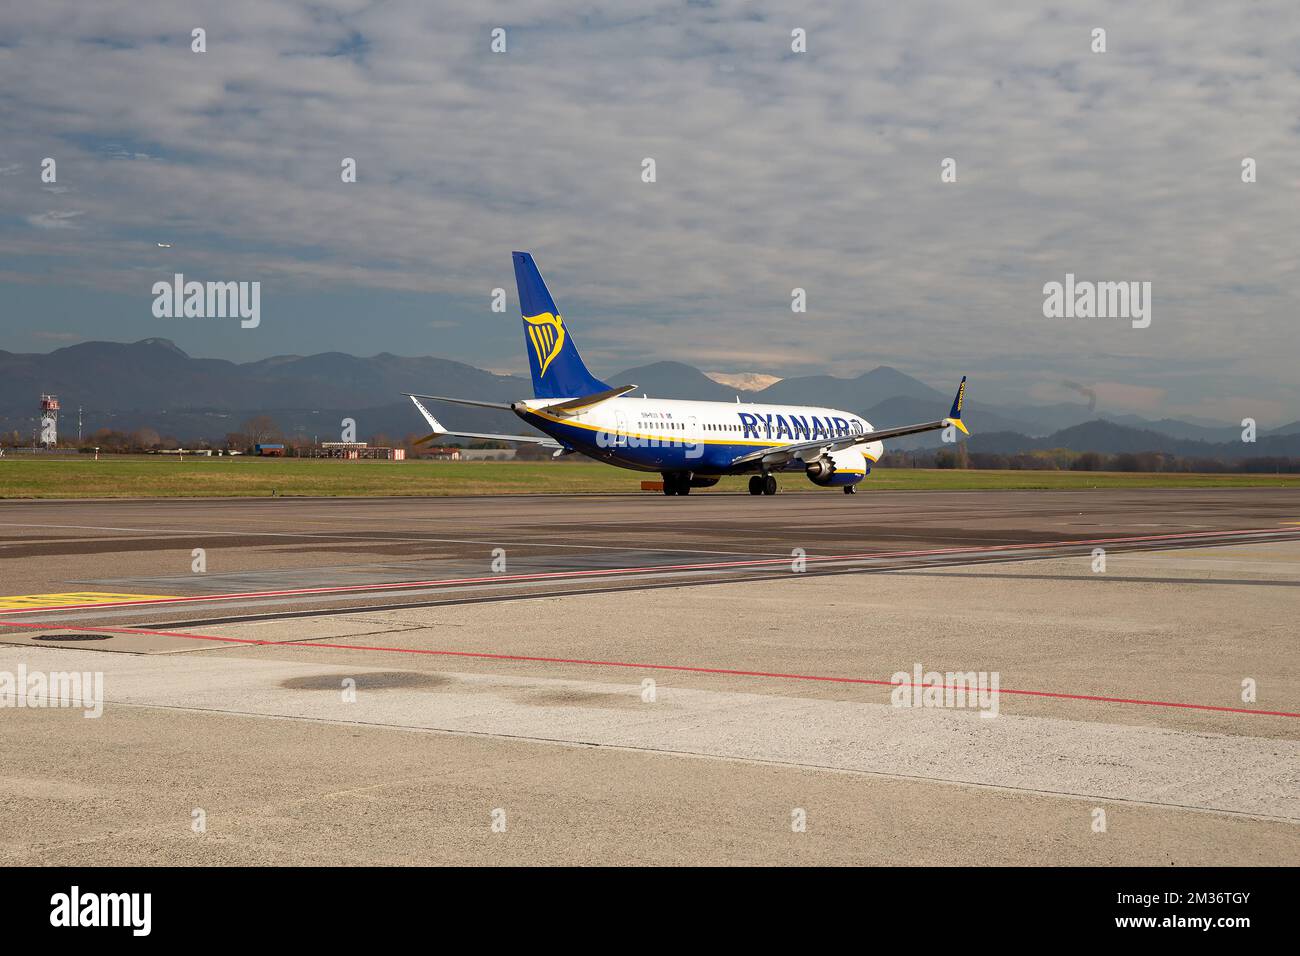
x,y
677,483
756,485
850,489
769,484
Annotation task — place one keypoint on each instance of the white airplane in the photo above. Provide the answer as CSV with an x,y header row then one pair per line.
x,y
692,444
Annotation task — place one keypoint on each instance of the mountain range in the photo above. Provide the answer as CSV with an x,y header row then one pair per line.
x,y
152,383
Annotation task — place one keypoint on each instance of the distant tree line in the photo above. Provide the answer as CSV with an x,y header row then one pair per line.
x,y
1065,459
262,429
109,440
258,430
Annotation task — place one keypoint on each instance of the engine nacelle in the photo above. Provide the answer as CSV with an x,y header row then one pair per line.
x,y
845,467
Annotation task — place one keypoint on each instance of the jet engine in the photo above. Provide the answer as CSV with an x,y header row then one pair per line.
x,y
844,467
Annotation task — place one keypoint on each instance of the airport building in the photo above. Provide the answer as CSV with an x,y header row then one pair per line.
x,y
357,450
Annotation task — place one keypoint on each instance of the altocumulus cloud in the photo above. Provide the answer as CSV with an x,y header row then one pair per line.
x,y
775,171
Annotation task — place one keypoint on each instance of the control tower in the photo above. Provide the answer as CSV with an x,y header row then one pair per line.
x,y
49,420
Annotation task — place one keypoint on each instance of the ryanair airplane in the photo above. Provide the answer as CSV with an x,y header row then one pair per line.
x,y
692,444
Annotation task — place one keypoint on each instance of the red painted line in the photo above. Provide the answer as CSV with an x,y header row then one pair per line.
x,y
610,572
684,668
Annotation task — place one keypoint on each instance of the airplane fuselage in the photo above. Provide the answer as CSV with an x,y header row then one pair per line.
x,y
650,434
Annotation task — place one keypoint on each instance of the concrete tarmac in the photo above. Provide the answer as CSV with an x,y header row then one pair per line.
x,y
655,680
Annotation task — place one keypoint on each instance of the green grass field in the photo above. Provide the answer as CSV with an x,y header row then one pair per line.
x,y
146,477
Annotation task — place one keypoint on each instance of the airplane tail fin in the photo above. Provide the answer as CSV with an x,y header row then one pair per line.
x,y
557,368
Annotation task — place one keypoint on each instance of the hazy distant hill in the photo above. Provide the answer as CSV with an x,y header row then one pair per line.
x,y
853,394
1111,438
1179,429
884,396
1049,418
154,372
905,411
154,384
672,380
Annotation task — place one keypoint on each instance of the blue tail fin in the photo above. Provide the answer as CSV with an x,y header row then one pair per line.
x,y
558,370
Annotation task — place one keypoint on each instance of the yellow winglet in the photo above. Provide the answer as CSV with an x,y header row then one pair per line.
x,y
954,416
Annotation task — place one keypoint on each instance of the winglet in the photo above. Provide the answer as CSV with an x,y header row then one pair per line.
x,y
954,416
433,422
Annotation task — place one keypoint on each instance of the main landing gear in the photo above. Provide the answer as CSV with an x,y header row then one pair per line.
x,y
850,489
677,482
762,485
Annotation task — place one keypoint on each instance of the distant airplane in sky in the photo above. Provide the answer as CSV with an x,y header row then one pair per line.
x,y
692,444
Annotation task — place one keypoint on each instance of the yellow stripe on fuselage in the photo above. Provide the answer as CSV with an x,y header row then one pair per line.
x,y
669,438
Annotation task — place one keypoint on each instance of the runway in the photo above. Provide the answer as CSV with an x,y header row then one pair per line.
x,y
662,680
275,554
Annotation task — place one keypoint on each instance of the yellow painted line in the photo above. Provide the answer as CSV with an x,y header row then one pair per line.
x,y
24,602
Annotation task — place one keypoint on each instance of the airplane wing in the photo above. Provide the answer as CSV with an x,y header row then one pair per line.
x,y
439,431
810,451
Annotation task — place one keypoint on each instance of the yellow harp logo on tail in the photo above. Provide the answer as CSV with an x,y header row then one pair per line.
x,y
546,332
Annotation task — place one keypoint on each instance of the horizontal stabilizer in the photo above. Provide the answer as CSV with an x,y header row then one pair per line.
x,y
530,439
586,401
439,431
457,401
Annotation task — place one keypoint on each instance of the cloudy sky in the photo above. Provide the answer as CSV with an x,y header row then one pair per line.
x,y
775,170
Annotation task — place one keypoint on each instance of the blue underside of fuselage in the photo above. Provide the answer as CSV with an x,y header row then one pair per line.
x,y
640,454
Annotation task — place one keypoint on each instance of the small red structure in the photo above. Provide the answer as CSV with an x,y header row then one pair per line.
x,y
442,452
